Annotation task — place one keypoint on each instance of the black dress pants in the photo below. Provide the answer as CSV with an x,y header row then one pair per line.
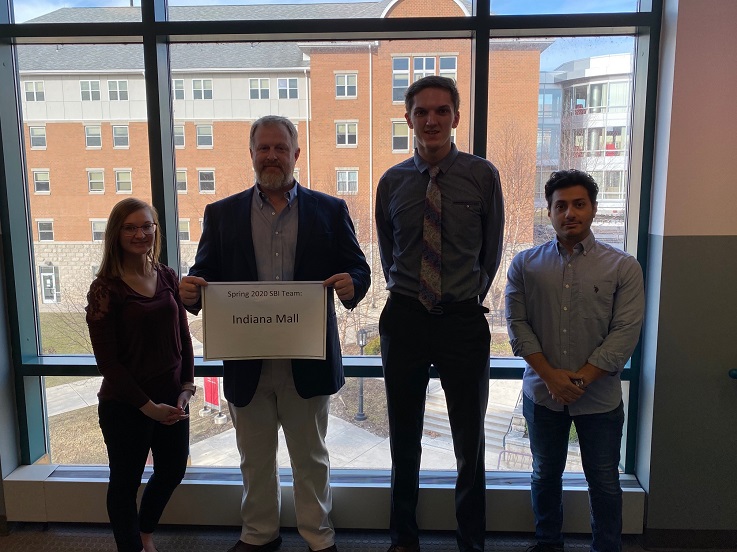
x,y
456,343
129,434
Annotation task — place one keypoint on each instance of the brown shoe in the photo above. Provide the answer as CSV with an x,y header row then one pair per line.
x,y
332,548
407,548
241,546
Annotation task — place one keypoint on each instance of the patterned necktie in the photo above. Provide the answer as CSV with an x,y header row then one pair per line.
x,y
430,267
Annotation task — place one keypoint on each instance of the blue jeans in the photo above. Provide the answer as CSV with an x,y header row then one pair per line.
x,y
599,436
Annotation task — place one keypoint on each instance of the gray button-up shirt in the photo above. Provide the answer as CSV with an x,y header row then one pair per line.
x,y
274,243
574,309
472,224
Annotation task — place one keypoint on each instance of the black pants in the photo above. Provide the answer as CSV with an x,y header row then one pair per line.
x,y
129,435
457,345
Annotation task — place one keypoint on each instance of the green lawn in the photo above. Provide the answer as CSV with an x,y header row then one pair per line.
x,y
64,333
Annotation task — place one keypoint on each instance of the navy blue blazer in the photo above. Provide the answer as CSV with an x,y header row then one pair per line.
x,y
326,245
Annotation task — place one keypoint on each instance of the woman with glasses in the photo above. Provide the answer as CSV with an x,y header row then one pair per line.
x,y
139,333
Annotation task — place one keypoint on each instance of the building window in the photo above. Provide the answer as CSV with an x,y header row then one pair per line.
x,y
179,136
423,67
98,230
45,230
93,136
259,89
178,89
41,183
346,86
347,182
183,229
38,137
90,90
96,181
204,136
287,89
400,78
120,137
117,90
346,134
400,136
34,91
448,67
181,181
202,89
50,288
123,181
206,182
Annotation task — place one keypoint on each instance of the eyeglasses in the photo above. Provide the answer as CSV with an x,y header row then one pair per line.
x,y
131,229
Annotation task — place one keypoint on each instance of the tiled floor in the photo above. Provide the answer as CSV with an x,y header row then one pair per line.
x,y
58,537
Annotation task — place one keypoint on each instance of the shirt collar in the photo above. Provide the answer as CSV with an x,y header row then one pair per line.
x,y
290,194
584,246
444,164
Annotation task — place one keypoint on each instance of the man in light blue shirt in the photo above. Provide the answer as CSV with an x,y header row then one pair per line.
x,y
574,311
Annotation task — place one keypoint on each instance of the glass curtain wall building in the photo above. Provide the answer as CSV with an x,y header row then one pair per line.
x,y
156,101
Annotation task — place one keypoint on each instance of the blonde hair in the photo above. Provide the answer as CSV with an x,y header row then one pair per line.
x,y
112,254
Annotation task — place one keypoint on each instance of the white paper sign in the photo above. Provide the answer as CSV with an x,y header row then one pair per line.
x,y
264,320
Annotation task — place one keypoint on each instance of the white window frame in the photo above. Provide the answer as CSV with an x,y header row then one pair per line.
x,y
346,131
89,136
101,181
120,90
343,86
201,89
178,135
201,134
200,172
184,232
346,173
47,231
177,86
36,92
118,140
284,86
118,174
424,71
38,138
400,73
45,271
400,124
262,88
36,181
95,227
92,92
447,72
177,173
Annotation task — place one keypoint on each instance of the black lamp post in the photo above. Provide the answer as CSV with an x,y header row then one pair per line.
x,y
362,338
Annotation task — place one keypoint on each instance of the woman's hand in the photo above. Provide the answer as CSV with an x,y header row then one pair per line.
x,y
164,413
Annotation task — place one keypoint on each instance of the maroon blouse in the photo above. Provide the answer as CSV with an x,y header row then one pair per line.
x,y
142,344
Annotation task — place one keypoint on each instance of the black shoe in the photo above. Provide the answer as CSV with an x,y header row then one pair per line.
x,y
541,547
241,546
405,548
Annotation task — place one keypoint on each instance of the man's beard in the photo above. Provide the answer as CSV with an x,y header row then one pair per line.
x,y
273,180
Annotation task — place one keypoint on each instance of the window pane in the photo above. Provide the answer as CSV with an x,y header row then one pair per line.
x,y
524,7
30,11
66,128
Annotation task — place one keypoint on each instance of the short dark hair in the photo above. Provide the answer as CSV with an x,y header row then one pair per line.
x,y
433,81
568,178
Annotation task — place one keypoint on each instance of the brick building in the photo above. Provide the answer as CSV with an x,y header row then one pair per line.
x,y
85,122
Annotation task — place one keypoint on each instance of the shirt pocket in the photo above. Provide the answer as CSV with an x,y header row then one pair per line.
x,y
596,298
462,220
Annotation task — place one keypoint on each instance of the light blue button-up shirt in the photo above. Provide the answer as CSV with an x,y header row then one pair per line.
x,y
583,307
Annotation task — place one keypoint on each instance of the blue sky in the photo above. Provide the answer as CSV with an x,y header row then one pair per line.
x,y
27,9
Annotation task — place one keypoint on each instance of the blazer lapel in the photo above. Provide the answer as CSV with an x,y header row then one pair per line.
x,y
244,235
